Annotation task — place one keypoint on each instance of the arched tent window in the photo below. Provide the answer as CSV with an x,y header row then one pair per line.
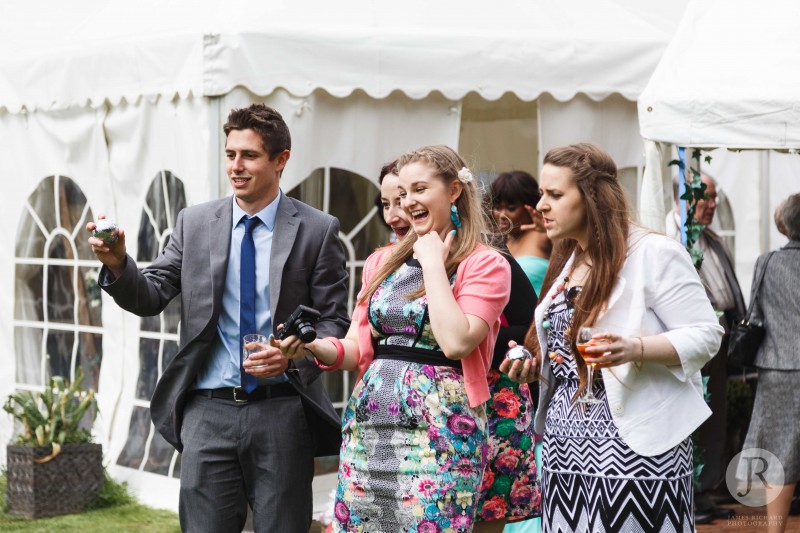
x,y
350,198
57,306
145,449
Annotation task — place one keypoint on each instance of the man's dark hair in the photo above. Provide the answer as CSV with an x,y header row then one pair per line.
x,y
265,121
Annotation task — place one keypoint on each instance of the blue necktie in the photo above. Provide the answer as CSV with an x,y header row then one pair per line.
x,y
247,295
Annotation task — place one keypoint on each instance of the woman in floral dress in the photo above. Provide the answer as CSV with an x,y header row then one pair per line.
x,y
510,488
414,431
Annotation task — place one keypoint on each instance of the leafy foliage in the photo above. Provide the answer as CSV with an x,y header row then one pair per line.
x,y
695,191
53,416
112,494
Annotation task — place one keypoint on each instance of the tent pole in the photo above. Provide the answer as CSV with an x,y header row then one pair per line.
x,y
214,147
682,191
766,216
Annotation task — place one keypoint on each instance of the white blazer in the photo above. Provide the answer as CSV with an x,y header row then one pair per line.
x,y
658,291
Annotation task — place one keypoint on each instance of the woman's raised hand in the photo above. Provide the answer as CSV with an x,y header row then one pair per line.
x,y
430,249
536,217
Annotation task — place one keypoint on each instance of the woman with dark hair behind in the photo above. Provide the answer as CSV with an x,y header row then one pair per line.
x,y
510,490
776,410
514,197
388,203
623,463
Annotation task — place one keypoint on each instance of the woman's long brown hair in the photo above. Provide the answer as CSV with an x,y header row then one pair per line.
x,y
608,218
446,163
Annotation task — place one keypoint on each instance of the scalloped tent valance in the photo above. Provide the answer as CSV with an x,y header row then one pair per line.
x,y
97,52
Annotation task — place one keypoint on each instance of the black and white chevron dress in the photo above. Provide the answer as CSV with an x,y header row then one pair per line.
x,y
591,480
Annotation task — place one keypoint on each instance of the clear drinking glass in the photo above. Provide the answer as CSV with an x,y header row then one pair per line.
x,y
585,340
252,343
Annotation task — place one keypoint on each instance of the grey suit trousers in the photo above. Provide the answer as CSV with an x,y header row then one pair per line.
x,y
271,442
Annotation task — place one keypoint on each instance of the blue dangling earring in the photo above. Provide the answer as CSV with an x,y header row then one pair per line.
x,y
454,218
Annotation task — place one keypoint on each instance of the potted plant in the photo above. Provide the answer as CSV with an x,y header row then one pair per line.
x,y
53,467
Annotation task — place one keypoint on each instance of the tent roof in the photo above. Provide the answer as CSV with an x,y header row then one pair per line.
x,y
56,55
729,78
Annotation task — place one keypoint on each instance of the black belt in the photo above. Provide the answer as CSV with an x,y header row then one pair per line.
x,y
239,395
415,355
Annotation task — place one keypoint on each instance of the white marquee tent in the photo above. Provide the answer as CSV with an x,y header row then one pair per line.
x,y
729,79
117,108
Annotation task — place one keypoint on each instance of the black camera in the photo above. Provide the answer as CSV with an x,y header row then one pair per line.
x,y
301,323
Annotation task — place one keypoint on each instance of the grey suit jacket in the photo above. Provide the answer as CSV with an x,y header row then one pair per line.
x,y
778,308
306,267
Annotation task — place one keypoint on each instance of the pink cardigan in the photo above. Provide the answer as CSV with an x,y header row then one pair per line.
x,y
482,287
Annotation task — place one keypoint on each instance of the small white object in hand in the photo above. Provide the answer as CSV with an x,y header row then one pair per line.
x,y
104,230
518,353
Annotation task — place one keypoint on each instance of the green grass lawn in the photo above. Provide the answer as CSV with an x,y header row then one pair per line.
x,y
127,517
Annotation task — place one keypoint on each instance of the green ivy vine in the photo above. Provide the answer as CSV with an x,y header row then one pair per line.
x,y
695,191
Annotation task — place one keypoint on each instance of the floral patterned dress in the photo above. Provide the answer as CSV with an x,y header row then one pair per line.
x,y
413,450
510,487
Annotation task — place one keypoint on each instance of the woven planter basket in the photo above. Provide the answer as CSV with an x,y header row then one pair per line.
x,y
65,484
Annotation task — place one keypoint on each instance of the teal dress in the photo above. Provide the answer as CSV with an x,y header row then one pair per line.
x,y
534,268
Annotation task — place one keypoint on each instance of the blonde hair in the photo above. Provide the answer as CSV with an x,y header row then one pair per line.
x,y
446,163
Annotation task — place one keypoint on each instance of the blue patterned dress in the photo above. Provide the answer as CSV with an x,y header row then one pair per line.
x,y
413,450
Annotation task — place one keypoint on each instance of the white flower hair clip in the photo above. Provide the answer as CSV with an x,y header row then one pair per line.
x,y
464,175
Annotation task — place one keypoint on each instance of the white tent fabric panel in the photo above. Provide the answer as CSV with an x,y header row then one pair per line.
x,y
611,124
66,143
655,199
108,52
112,157
728,78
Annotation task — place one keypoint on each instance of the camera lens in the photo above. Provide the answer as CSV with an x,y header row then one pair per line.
x,y
306,332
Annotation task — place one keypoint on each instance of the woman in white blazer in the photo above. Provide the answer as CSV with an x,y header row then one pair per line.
x,y
624,463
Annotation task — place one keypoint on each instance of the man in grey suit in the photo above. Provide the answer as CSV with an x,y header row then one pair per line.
x,y
241,447
722,286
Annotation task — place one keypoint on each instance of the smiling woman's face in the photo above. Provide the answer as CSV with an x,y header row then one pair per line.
x,y
393,213
426,198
